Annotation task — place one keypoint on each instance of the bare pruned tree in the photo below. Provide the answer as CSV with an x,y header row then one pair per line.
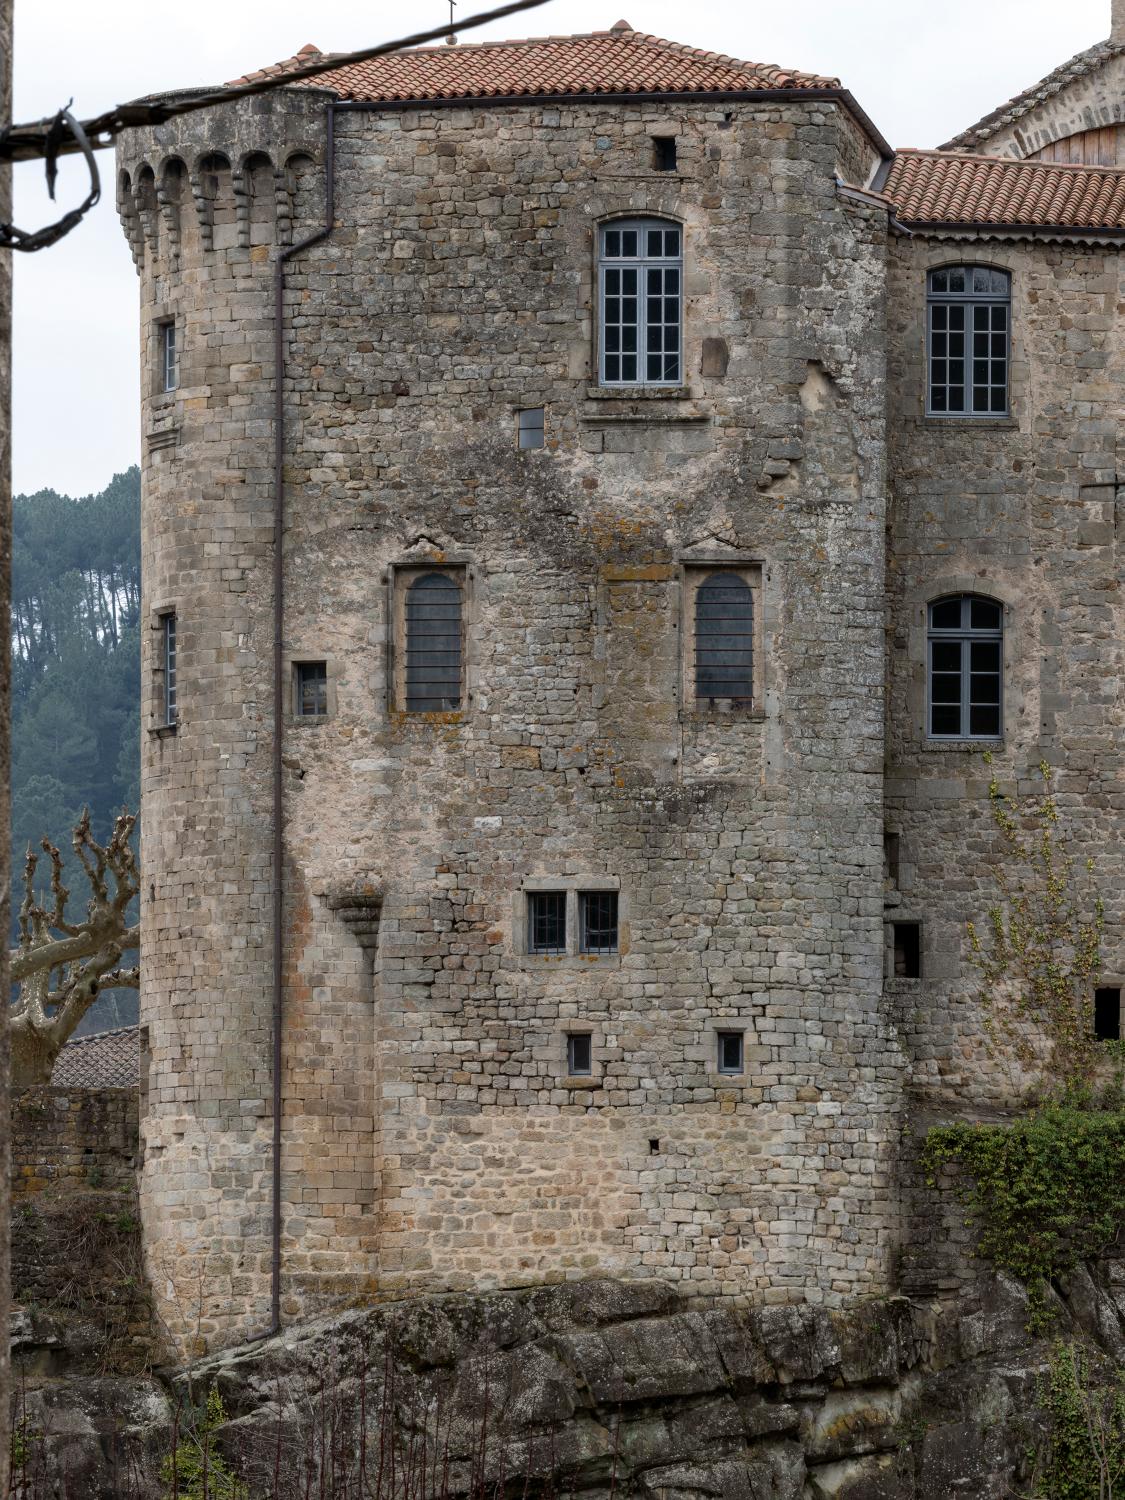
x,y
60,966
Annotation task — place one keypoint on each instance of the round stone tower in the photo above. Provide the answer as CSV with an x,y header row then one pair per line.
x,y
208,203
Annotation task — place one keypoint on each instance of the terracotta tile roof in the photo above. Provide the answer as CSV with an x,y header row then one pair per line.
x,y
1000,119
943,187
620,61
103,1060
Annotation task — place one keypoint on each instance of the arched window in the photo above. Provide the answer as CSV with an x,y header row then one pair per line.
x,y
640,277
433,644
724,637
969,321
966,652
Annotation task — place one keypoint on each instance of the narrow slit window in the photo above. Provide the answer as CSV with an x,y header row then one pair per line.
x,y
433,644
597,922
580,1054
546,922
640,277
908,950
530,427
1107,1014
731,1052
311,689
969,338
965,676
724,638
168,653
169,357
664,153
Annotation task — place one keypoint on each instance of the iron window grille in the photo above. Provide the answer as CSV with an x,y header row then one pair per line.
x,y
731,1052
169,357
969,341
965,672
579,1054
168,644
530,428
597,922
640,275
724,638
546,922
433,644
312,689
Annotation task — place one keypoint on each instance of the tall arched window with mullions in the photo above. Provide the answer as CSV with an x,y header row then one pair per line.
x,y
724,639
433,644
969,318
640,299
966,668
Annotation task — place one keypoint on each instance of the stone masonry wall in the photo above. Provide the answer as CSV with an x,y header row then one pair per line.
x,y
73,1138
432,1137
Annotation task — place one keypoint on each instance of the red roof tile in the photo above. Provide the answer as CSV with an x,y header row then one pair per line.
x,y
944,187
621,61
103,1060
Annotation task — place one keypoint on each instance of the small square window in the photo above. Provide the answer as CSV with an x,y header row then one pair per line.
x,y
1107,1014
580,1054
546,922
664,153
169,357
908,950
597,922
530,427
730,1052
311,695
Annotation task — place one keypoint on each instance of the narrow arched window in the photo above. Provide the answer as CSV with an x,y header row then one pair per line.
x,y
969,321
966,650
433,644
640,277
724,637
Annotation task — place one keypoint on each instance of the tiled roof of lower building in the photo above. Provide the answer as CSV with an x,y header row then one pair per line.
x,y
619,61
103,1060
954,188
1001,119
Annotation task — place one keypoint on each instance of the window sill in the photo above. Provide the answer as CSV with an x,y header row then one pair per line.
x,y
164,731
639,393
961,747
571,961
933,419
306,721
713,715
580,1081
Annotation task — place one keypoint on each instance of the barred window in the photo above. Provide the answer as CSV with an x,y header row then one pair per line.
x,y
724,637
966,645
597,922
433,644
546,922
969,322
640,297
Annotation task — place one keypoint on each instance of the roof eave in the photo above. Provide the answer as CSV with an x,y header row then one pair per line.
x,y
955,227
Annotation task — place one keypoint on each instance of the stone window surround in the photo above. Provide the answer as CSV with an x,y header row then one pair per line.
x,y
398,578
293,660
160,315
1016,707
692,572
901,916
555,1055
1112,979
656,197
570,885
710,1027
158,724
916,364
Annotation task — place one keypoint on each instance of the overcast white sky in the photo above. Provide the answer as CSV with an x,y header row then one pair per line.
x,y
921,70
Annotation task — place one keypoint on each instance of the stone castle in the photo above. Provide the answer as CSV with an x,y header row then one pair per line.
x,y
600,502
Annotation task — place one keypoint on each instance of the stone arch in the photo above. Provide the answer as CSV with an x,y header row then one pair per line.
x,y
302,185
130,217
215,200
171,194
144,196
259,197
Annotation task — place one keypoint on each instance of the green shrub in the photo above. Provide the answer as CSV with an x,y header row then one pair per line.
x,y
1083,1454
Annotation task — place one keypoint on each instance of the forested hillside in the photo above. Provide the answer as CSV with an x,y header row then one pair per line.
x,y
76,591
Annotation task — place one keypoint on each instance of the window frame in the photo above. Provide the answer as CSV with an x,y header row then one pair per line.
x,y
169,345
169,666
299,666
585,897
722,1033
573,888
967,635
642,263
573,1037
694,573
967,300
534,949
401,577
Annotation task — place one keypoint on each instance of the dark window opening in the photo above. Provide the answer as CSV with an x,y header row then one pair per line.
x,y
433,644
664,153
730,1051
908,950
312,689
966,662
597,922
654,1147
1107,1014
546,922
891,844
969,318
530,428
580,1054
724,638
171,705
